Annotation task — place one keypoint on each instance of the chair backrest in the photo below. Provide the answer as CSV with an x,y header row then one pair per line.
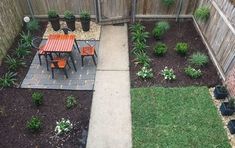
x,y
91,42
36,41
66,30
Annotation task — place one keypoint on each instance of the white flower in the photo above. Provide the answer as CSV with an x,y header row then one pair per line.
x,y
26,19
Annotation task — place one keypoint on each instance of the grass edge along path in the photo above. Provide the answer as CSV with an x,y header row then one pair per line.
x,y
176,118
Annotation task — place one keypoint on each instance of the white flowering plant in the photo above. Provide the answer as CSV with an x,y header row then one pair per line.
x,y
145,72
63,126
168,74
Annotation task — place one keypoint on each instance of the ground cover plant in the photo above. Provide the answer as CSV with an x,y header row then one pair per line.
x,y
176,117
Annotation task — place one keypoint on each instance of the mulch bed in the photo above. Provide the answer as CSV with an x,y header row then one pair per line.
x,y
184,31
16,108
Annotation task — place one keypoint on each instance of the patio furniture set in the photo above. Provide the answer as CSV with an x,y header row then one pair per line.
x,y
62,46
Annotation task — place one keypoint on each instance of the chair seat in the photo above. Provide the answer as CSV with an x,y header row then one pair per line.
x,y
60,61
88,51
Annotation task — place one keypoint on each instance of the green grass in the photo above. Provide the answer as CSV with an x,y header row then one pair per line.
x,y
176,118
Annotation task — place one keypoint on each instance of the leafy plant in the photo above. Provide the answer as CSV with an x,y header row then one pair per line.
x,y
139,47
13,63
231,102
32,25
137,27
192,72
168,3
160,29
37,98
181,48
26,39
142,58
139,36
68,15
160,49
202,13
22,50
8,79
198,59
52,14
34,124
168,74
145,72
85,15
63,126
71,101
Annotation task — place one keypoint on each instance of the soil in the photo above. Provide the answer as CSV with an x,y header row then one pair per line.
x,y
16,108
184,31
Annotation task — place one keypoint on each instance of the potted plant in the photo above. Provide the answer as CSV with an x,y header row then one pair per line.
x,y
231,126
70,20
54,19
227,108
85,20
220,92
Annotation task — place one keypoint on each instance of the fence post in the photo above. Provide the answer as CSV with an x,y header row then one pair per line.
x,y
30,8
133,11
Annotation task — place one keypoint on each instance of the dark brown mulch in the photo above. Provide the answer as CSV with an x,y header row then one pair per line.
x,y
184,31
16,108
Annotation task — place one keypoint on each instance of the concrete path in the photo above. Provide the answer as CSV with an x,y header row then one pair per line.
x,y
110,122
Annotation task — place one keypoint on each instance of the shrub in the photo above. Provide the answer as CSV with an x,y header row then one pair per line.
x,y
68,15
32,25
168,3
85,15
137,27
202,13
192,72
145,72
142,58
139,36
71,102
26,39
139,47
168,74
13,63
52,14
181,48
34,124
160,29
8,79
160,49
37,98
198,59
63,126
22,50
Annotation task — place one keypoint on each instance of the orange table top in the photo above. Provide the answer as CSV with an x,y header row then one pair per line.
x,y
59,43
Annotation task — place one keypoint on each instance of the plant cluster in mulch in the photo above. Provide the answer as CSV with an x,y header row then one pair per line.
x,y
184,32
18,106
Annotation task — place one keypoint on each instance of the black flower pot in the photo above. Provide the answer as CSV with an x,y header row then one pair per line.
x,y
85,24
219,94
231,126
226,110
55,23
71,23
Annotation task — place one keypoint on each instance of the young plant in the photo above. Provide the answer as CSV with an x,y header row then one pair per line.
x,y
22,51
8,79
142,58
139,36
37,98
71,102
198,59
168,74
168,3
137,27
160,29
192,72
63,126
13,63
85,15
52,14
68,15
181,48
26,39
145,72
160,49
34,124
32,25
202,13
139,47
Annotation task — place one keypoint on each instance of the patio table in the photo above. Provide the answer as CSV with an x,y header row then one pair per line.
x,y
60,43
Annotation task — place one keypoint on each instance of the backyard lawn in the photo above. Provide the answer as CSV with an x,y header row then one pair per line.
x,y
175,117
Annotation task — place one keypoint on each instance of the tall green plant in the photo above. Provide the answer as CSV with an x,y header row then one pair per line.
x,y
168,3
8,79
202,13
137,27
13,63
139,36
160,29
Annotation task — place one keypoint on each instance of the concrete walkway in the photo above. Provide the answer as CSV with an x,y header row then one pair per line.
x,y
110,122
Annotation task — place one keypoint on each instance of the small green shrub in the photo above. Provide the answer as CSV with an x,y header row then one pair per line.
x,y
52,14
8,79
202,13
181,48
63,126
137,27
85,15
32,25
26,39
145,72
22,51
160,29
142,58
13,63
37,98
168,3
139,36
139,47
160,49
168,74
34,124
68,15
71,102
198,59
192,72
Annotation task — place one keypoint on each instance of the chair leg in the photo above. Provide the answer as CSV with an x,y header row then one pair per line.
x,y
52,73
77,45
65,72
39,57
95,54
82,60
93,57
